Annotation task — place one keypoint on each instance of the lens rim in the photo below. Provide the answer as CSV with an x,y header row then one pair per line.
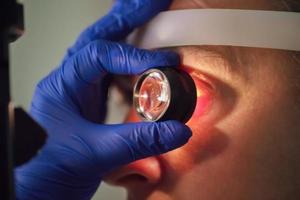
x,y
183,95
136,95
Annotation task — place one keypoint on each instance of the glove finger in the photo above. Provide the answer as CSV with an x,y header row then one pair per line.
x,y
122,144
124,16
100,57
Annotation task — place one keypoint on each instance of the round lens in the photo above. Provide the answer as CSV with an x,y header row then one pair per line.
x,y
154,95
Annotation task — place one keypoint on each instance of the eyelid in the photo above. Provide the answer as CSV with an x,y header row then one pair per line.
x,y
205,94
198,76
217,100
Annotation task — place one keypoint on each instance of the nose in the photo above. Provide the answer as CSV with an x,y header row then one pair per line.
x,y
141,173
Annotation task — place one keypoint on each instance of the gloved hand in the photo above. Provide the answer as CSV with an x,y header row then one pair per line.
x,y
70,102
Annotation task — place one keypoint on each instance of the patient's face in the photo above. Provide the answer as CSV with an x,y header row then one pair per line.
x,y
246,131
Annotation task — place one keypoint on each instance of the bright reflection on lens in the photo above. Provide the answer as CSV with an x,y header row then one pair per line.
x,y
154,96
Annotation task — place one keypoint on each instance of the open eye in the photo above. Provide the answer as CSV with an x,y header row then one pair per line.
x,y
204,97
215,98
205,94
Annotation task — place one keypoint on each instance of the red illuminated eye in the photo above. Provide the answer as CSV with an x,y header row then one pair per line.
x,y
204,97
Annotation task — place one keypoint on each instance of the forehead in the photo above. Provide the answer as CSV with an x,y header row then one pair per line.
x,y
244,59
233,4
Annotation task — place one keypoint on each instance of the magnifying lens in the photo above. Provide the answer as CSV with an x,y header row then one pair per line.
x,y
165,94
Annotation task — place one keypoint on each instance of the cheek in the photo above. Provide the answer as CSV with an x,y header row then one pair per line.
x,y
182,159
185,158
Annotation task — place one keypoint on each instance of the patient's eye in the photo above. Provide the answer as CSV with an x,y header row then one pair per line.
x,y
215,98
205,94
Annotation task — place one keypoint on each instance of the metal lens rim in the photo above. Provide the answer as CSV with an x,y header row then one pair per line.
x,y
136,92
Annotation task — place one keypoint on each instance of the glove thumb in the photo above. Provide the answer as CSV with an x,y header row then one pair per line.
x,y
125,143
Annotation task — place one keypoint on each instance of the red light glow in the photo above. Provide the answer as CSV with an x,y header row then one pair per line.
x,y
204,96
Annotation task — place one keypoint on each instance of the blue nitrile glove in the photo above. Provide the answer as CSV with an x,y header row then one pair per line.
x,y
70,102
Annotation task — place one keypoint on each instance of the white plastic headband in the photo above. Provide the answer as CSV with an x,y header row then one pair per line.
x,y
248,28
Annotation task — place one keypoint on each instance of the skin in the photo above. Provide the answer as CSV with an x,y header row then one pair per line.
x,y
246,141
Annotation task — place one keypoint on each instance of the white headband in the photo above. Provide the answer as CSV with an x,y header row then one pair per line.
x,y
248,28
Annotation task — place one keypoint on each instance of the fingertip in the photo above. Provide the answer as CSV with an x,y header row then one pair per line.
x,y
158,58
179,133
154,138
134,141
170,58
